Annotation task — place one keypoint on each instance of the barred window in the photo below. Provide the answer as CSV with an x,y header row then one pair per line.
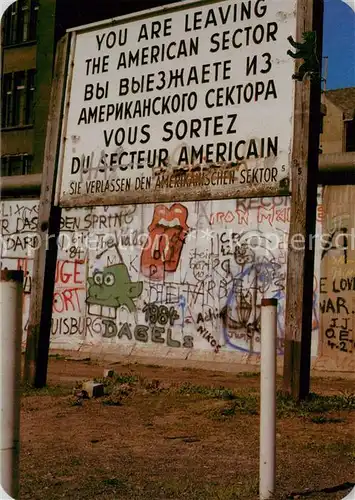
x,y
16,165
18,98
19,22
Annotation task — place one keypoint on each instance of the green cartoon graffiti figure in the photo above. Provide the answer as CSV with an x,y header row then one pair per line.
x,y
307,50
110,289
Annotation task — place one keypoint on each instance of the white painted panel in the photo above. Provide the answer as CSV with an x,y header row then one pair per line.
x,y
207,87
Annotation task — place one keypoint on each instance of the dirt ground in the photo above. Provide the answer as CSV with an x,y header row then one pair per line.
x,y
175,433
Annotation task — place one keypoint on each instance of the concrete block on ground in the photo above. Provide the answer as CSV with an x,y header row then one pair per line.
x,y
93,389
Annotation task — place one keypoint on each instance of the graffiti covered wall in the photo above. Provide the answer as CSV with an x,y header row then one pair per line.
x,y
337,281
176,277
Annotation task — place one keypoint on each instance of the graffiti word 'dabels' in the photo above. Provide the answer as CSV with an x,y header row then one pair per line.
x,y
144,333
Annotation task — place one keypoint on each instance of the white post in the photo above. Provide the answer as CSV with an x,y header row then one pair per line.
x,y
10,341
268,399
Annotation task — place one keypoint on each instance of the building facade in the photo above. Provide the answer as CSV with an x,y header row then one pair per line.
x,y
30,30
27,61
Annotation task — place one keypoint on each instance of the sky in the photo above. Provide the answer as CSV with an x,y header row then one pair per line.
x,y
338,41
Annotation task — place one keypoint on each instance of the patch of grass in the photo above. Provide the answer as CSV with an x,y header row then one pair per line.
x,y
49,390
112,384
208,392
125,379
316,407
315,403
117,378
246,404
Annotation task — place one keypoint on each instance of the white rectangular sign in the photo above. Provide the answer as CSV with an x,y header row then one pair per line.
x,y
188,102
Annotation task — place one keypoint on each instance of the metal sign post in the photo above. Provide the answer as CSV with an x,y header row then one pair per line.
x,y
38,332
267,463
10,337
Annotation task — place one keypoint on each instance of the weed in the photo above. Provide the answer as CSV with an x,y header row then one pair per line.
x,y
125,379
118,379
315,406
208,392
247,404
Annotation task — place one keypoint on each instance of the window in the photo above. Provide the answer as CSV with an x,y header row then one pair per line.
x,y
350,135
18,99
20,22
16,165
10,25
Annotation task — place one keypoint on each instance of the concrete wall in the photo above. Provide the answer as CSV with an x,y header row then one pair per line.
x,y
182,280
337,281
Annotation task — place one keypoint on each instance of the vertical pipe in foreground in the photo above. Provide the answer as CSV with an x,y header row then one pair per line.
x,y
268,399
10,342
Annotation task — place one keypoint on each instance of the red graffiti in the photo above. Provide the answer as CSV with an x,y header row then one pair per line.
x,y
67,300
69,271
167,233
